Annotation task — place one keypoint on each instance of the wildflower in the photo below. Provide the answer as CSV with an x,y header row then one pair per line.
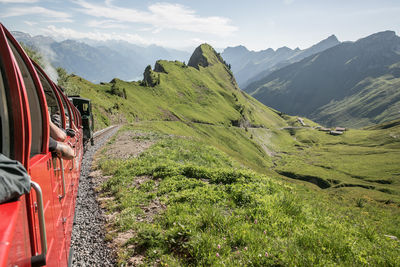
x,y
219,246
266,254
245,248
217,254
265,232
255,221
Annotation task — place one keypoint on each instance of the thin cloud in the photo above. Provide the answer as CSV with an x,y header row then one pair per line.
x,y
30,23
67,33
161,16
36,10
106,24
19,1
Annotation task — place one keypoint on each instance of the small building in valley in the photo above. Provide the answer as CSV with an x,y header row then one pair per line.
x,y
336,132
301,121
323,129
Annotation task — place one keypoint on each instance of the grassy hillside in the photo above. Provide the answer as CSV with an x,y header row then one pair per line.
x,y
206,102
363,164
206,95
185,203
229,181
379,101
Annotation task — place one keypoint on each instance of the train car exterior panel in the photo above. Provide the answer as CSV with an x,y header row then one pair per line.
x,y
15,239
36,229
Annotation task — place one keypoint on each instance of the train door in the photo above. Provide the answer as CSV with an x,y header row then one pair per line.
x,y
60,173
68,204
15,245
40,166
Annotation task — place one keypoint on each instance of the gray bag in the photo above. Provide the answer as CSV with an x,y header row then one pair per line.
x,y
14,179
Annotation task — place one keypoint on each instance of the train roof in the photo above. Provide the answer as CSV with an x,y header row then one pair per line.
x,y
79,97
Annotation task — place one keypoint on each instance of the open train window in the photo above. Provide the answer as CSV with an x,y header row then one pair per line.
x,y
85,108
66,111
34,103
52,102
5,135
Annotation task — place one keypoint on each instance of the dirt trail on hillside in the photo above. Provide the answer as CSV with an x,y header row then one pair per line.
x,y
128,144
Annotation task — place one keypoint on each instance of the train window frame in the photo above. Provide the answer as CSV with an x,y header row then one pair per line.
x,y
35,107
67,111
5,131
85,107
49,93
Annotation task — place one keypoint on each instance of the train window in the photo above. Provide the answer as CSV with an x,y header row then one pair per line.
x,y
51,99
34,103
4,120
85,108
67,115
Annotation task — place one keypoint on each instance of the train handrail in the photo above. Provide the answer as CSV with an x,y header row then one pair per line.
x,y
63,177
40,260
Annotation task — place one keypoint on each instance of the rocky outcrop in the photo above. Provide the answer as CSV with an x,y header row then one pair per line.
x,y
158,67
198,59
204,56
150,78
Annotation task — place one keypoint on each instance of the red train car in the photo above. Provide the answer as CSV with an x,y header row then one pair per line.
x,y
36,229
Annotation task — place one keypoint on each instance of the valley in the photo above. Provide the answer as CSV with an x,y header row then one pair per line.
x,y
352,84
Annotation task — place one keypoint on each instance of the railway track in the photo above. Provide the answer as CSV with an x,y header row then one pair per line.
x,y
88,235
103,132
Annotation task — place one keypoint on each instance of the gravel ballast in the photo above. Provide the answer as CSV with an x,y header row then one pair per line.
x,y
88,234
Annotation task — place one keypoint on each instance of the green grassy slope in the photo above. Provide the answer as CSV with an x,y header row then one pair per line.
x,y
205,95
227,171
379,101
205,103
360,163
184,203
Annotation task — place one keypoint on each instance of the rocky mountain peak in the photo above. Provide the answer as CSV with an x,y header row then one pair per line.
x,y
332,38
236,49
204,55
380,36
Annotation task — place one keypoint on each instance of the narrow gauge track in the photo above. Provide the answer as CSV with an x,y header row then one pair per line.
x,y
97,135
88,234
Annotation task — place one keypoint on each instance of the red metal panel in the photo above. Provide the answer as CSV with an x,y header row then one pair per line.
x,y
13,231
58,195
19,233
14,241
43,175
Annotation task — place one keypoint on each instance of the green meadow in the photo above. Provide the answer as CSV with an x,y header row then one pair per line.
x,y
211,210
231,182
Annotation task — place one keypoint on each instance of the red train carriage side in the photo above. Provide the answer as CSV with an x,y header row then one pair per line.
x,y
36,229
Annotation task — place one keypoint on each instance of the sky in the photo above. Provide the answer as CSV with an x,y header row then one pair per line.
x,y
185,24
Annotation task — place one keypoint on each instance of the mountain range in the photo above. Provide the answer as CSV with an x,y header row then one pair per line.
x,y
352,84
334,83
249,66
102,60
